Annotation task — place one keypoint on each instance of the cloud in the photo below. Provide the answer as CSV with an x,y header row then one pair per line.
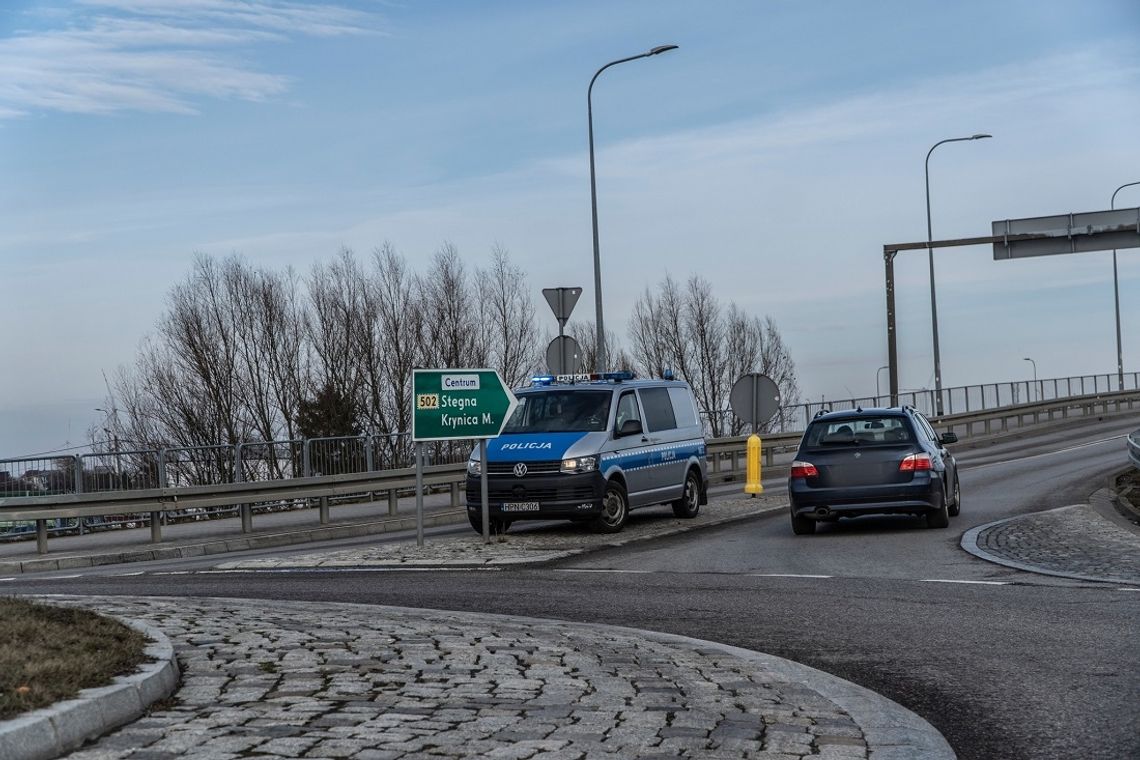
x,y
156,55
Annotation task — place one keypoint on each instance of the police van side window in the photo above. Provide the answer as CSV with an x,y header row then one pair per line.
x,y
658,409
683,408
627,409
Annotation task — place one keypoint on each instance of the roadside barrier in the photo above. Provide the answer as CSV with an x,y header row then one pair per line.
x,y
69,512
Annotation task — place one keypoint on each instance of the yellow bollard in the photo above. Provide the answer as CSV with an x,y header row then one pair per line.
x,y
752,478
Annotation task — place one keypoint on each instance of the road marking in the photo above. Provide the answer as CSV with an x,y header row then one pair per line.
x,y
602,570
967,466
974,583
1119,589
6,579
65,577
786,575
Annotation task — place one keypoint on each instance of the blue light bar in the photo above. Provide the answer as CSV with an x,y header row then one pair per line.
x,y
542,380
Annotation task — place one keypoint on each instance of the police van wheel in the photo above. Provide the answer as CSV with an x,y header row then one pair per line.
x,y
690,502
615,509
498,526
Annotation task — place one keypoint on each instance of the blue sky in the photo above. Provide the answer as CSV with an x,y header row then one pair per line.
x,y
774,152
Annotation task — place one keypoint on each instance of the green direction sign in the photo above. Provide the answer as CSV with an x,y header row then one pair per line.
x,y
450,404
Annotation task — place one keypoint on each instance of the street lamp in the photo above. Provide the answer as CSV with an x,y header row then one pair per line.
x,y
1036,392
877,391
601,356
930,256
1116,292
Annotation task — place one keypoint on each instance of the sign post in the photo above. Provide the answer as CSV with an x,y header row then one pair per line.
x,y
562,350
755,399
458,404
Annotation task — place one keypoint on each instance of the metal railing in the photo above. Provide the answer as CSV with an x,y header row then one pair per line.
x,y
1134,448
956,400
64,512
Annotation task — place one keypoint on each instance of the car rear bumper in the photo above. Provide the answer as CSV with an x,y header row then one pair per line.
x,y
823,503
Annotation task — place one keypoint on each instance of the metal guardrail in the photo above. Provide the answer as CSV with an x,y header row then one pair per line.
x,y
1134,448
726,455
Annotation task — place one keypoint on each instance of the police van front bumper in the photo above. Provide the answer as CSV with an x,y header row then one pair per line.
x,y
557,495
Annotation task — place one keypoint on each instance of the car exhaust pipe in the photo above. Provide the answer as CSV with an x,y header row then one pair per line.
x,y
822,512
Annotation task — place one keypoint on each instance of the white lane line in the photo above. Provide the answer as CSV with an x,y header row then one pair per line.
x,y
968,466
66,577
1119,589
973,583
6,579
128,575
602,570
786,575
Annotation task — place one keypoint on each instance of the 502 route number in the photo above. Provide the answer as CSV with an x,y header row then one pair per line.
x,y
427,401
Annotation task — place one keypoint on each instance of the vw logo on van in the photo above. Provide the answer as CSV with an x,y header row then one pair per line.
x,y
520,470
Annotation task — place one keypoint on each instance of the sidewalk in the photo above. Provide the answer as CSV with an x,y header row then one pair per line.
x,y
315,680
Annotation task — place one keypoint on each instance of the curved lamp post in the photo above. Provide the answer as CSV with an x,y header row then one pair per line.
x,y
1036,390
1116,293
930,256
601,338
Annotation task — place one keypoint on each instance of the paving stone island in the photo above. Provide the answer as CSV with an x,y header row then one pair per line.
x,y
1074,542
314,680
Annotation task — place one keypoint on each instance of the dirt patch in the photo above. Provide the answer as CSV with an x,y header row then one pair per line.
x,y
48,654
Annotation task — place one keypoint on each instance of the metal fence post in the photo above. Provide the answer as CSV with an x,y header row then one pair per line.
x,y
155,527
78,473
41,536
246,510
306,465
324,510
162,468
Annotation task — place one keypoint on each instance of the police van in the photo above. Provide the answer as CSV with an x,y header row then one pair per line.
x,y
590,448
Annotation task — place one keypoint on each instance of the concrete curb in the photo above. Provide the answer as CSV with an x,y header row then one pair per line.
x,y
891,731
970,544
65,726
545,557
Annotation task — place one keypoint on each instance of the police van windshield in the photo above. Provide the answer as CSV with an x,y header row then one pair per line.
x,y
560,411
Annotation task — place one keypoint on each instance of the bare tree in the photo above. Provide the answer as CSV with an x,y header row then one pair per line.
x,y
510,329
709,345
587,336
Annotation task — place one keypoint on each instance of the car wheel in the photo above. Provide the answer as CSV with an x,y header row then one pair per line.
x,y
690,502
615,509
802,526
940,517
956,505
498,525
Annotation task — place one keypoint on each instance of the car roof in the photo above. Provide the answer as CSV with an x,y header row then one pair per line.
x,y
876,411
602,385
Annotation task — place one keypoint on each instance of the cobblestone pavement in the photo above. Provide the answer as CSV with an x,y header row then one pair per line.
x,y
305,680
519,545
1072,541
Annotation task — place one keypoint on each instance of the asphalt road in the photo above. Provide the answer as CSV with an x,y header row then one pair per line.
x,y
1040,668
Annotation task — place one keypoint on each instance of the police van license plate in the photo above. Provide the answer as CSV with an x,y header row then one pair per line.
x,y
519,506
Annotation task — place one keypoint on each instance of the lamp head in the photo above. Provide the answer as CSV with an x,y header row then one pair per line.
x,y
980,136
662,49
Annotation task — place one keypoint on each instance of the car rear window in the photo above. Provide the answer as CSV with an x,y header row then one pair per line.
x,y
859,430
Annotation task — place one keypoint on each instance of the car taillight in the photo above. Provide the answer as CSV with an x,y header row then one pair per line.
x,y
804,470
916,463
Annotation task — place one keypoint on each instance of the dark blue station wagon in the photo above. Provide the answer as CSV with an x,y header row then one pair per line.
x,y
873,461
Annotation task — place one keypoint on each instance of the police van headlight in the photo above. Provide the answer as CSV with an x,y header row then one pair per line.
x,y
580,464
474,467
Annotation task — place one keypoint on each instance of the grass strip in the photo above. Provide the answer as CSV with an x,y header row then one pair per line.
x,y
48,654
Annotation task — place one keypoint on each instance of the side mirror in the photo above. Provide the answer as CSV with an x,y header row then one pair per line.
x,y
629,427
948,438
